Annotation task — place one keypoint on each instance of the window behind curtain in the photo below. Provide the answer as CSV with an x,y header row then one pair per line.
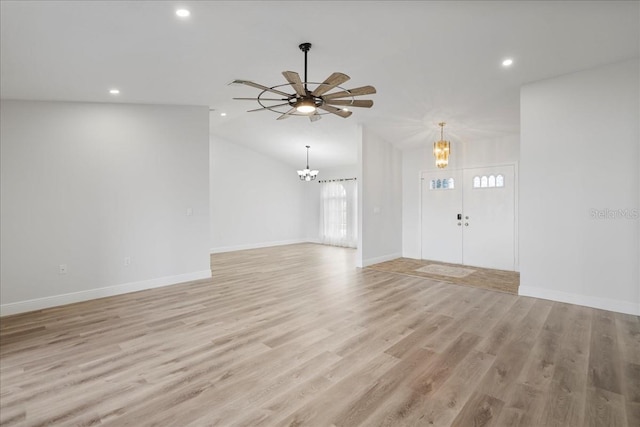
x,y
338,213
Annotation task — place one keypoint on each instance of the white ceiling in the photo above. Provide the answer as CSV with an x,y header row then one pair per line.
x,y
430,61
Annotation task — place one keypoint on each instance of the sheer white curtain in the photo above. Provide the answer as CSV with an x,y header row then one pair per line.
x,y
339,213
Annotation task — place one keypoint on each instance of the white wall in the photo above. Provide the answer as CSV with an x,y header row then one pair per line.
x,y
379,200
88,185
256,201
579,165
312,198
464,154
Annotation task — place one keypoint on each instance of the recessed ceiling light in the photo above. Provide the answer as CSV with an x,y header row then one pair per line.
x,y
114,91
223,114
507,62
183,13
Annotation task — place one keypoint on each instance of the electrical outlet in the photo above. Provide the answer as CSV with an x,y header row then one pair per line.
x,y
127,261
62,269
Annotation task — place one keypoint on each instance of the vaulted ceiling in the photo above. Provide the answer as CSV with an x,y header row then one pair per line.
x,y
429,60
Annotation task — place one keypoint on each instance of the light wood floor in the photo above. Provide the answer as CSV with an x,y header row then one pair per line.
x,y
296,336
485,278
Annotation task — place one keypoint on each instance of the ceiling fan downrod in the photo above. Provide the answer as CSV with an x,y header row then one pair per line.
x,y
305,47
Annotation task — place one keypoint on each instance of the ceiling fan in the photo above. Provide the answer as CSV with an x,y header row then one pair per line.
x,y
305,102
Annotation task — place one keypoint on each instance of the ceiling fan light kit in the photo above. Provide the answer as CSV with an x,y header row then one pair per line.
x,y
305,106
310,103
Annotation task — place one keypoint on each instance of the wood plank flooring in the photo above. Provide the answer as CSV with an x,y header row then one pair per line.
x,y
296,336
485,278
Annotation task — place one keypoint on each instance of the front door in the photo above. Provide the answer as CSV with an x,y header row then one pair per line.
x,y
489,217
468,217
441,205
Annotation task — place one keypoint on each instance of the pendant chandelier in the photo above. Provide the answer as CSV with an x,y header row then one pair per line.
x,y
441,149
307,174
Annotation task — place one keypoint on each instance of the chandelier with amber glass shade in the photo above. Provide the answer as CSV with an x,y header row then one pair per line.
x,y
441,149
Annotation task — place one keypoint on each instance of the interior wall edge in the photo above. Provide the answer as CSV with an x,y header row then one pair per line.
x,y
370,261
234,248
91,294
583,300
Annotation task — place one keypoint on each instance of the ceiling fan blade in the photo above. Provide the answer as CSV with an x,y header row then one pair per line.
x,y
266,108
286,115
366,103
315,117
259,86
260,99
337,111
364,90
294,80
332,81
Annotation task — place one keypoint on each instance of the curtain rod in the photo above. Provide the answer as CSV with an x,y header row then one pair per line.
x,y
336,180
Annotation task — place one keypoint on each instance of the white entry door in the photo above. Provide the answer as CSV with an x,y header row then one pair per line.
x,y
441,204
470,220
489,217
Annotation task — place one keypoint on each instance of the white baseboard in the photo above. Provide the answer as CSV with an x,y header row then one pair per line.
x,y
256,246
371,261
587,301
57,300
